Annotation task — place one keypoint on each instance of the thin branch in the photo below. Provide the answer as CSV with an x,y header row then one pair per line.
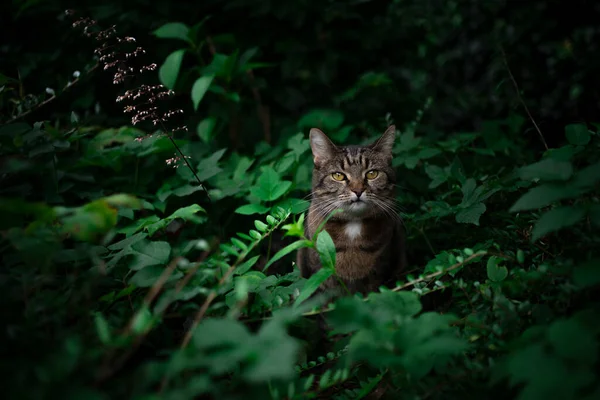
x,y
51,98
414,282
514,81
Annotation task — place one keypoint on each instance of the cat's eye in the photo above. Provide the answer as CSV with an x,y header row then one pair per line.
x,y
338,176
372,174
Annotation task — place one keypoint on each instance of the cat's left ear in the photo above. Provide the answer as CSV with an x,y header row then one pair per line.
x,y
386,142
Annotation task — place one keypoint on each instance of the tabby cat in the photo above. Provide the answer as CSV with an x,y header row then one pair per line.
x,y
368,234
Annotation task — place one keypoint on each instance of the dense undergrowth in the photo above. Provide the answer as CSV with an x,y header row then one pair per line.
x,y
123,277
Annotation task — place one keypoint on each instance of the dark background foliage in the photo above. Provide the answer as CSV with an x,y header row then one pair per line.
x,y
494,101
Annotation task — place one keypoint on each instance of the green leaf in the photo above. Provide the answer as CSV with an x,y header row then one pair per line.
x,y
199,89
205,128
169,71
471,215
89,222
573,341
543,196
148,276
313,283
261,226
150,253
495,272
287,250
325,119
326,249
399,303
250,209
587,274
187,213
577,134
142,321
255,235
173,30
437,174
269,187
547,170
245,266
556,219
102,328
209,167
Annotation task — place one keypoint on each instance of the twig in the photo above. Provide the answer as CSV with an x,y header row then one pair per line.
x,y
108,371
514,81
51,98
412,283
436,274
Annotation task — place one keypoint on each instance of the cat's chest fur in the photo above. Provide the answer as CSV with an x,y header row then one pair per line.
x,y
353,230
362,247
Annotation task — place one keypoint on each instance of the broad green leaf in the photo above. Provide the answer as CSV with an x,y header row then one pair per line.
x,y
205,128
587,274
547,170
577,134
437,174
173,30
586,178
199,89
209,167
556,219
326,249
495,272
543,196
313,283
169,71
187,213
147,277
245,266
400,303
287,250
325,119
274,353
150,253
89,222
564,153
269,186
138,225
215,333
573,341
295,206
468,191
471,215
127,242
241,170
250,209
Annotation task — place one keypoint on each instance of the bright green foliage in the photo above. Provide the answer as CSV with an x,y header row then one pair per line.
x,y
150,263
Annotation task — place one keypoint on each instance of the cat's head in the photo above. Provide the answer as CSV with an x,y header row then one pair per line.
x,y
358,179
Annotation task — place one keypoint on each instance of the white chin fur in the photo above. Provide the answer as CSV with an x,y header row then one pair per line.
x,y
356,208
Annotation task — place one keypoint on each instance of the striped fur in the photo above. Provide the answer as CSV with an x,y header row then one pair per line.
x,y
368,234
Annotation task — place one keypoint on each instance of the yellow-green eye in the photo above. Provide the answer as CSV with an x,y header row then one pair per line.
x,y
372,174
338,176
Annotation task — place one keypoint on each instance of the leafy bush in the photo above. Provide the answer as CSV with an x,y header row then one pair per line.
x,y
123,277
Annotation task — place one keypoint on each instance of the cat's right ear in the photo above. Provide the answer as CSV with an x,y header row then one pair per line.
x,y
322,148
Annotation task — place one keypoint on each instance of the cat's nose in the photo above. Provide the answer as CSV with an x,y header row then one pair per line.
x,y
358,193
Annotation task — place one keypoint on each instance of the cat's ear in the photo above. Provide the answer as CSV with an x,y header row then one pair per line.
x,y
386,142
322,147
